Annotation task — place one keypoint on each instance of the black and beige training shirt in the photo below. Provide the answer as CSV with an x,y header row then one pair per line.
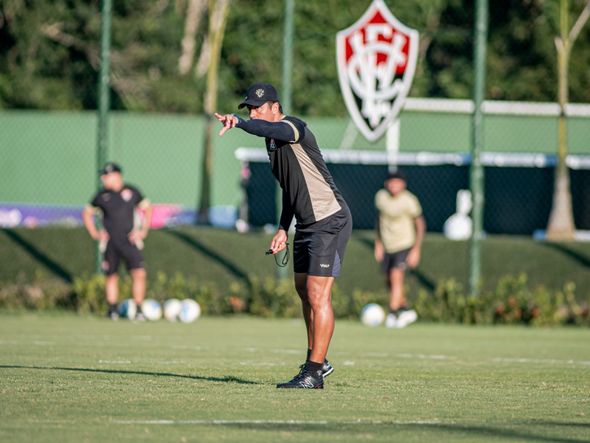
x,y
309,192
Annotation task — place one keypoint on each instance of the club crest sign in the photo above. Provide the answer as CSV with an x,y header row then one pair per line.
x,y
376,62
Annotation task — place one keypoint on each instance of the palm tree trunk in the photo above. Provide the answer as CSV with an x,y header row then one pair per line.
x,y
561,219
195,10
218,11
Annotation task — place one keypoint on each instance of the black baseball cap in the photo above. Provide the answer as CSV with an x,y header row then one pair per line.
x,y
396,174
110,167
258,94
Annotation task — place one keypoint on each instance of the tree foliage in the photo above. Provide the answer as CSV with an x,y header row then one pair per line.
x,y
49,52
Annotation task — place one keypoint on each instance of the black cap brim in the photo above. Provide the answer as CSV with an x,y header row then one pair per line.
x,y
109,170
251,102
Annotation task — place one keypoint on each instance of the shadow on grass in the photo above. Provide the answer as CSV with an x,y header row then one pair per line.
x,y
504,433
225,379
203,249
441,430
580,258
573,424
424,280
41,257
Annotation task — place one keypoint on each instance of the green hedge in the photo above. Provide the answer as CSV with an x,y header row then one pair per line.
x,y
547,283
219,258
513,301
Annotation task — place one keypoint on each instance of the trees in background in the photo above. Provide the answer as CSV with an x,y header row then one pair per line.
x,y
49,52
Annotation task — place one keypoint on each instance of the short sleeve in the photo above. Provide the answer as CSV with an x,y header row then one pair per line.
x,y
414,206
380,199
137,195
95,202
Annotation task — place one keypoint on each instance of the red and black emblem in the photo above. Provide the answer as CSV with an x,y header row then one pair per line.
x,y
376,62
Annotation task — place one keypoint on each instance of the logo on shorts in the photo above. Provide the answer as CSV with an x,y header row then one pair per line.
x,y
376,60
324,265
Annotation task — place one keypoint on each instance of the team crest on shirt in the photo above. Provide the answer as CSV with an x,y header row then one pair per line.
x,y
126,194
376,60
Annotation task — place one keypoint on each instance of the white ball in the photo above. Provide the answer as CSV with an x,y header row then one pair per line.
x,y
172,309
372,315
242,226
128,309
458,227
151,309
189,311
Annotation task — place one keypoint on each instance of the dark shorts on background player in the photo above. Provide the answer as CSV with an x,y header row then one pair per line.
x,y
318,249
121,249
395,260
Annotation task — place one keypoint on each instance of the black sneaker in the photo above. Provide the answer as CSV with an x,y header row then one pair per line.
x,y
327,369
306,379
113,314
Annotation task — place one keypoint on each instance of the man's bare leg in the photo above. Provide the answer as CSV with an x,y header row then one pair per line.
x,y
301,287
112,289
138,277
397,297
319,296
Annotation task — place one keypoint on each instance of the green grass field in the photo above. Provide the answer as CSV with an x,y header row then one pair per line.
x,y
73,378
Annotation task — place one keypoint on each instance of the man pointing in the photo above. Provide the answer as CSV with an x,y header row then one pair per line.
x,y
324,223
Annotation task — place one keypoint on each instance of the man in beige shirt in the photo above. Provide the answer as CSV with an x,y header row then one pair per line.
x,y
400,230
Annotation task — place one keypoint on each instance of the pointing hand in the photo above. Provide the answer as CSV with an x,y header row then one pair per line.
x,y
228,120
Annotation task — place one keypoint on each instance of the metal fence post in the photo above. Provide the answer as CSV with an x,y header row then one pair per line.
x,y
287,54
477,173
104,102
289,13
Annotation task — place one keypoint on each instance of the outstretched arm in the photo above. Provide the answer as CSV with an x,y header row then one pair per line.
x,y
281,130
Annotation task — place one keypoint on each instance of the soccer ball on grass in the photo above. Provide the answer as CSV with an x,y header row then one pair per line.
x,y
127,309
372,315
189,311
172,309
151,309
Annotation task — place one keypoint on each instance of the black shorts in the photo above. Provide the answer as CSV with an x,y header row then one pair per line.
x,y
395,260
318,249
121,249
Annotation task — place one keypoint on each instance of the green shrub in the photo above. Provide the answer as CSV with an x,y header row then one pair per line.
x,y
513,301
271,298
88,294
41,293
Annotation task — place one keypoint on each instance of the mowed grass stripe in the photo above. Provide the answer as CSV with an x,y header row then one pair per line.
x,y
74,378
